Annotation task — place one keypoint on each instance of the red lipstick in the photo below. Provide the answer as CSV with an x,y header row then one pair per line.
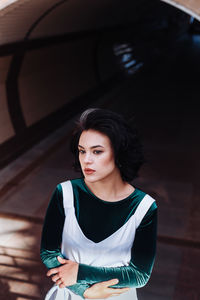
x,y
88,171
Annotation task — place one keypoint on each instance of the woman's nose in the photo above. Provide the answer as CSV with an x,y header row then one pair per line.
x,y
88,158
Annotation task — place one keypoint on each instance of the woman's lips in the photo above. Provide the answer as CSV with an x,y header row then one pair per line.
x,y
89,171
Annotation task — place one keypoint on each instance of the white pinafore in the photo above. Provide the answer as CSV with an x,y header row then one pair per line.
x,y
114,251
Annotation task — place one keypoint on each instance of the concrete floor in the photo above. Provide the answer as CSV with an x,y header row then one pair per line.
x,y
164,102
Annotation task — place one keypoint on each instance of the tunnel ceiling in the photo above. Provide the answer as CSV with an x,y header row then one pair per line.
x,y
191,7
34,19
60,55
26,19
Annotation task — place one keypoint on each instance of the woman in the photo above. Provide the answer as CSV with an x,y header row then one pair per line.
x,y
99,234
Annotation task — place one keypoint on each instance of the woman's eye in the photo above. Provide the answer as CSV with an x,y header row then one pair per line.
x,y
97,151
81,151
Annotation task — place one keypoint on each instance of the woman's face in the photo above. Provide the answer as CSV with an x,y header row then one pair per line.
x,y
96,156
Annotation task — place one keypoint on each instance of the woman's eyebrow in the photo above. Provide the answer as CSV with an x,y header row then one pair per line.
x,y
96,146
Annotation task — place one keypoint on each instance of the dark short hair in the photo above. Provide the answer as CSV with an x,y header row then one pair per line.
x,y
124,139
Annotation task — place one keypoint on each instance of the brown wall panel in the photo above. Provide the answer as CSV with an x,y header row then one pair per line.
x,y
51,77
78,15
6,128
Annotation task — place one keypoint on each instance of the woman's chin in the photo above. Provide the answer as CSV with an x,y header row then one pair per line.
x,y
91,178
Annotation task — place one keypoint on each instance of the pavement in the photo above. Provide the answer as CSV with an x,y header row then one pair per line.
x,y
165,109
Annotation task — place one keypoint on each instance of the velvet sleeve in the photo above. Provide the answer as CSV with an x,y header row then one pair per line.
x,y
137,273
52,237
52,231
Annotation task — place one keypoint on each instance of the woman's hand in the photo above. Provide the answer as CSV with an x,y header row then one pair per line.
x,y
102,290
66,274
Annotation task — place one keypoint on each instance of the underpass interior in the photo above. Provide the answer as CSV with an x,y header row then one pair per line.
x,y
139,58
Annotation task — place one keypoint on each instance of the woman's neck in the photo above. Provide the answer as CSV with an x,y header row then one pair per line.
x,y
110,189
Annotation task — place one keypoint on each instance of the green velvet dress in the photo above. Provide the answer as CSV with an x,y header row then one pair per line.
x,y
91,213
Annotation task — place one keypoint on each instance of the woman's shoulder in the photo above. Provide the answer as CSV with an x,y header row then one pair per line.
x,y
146,199
146,209
74,181
65,185
142,192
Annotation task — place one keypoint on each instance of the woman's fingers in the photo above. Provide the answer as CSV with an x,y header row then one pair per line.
x,y
52,271
119,291
110,282
115,291
104,290
59,281
55,270
62,260
67,272
55,278
61,285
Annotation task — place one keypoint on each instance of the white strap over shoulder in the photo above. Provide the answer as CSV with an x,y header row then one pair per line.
x,y
142,209
68,196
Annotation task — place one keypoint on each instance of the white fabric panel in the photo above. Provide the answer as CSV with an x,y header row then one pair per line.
x,y
142,209
68,197
55,293
113,251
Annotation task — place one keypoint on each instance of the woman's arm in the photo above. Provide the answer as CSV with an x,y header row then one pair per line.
x,y
51,239
137,273
52,230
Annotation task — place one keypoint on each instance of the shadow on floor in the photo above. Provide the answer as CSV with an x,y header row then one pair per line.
x,y
22,275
